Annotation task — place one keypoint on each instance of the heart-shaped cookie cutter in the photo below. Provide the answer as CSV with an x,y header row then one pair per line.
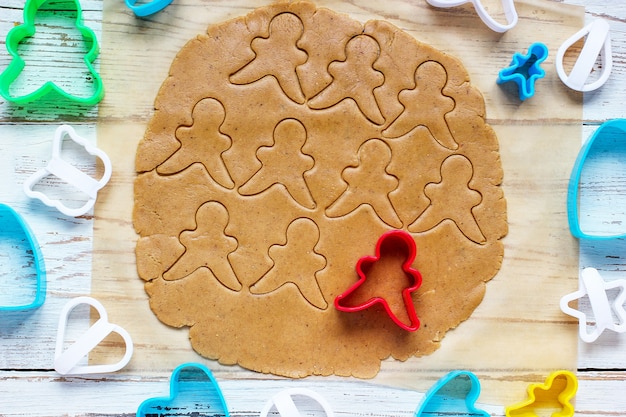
x,y
12,222
455,394
395,238
507,5
594,286
549,397
597,43
147,9
189,394
606,131
284,403
26,30
66,362
70,174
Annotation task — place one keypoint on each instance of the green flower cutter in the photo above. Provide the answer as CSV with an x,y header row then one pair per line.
x,y
26,30
16,234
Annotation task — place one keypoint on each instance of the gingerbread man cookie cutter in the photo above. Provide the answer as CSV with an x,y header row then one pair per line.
x,y
557,391
14,227
66,362
597,44
58,167
398,239
595,288
525,70
284,403
508,6
28,29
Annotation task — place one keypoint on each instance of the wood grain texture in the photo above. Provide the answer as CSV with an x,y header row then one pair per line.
x,y
27,340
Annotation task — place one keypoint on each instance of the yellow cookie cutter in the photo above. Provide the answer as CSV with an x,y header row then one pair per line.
x,y
557,391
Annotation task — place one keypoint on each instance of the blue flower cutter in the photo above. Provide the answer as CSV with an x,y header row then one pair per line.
x,y
193,391
605,137
524,70
148,8
17,233
455,394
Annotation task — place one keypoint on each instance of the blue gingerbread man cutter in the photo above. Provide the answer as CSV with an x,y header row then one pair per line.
x,y
525,70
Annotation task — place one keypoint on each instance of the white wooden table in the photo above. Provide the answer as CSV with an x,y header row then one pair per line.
x,y
29,385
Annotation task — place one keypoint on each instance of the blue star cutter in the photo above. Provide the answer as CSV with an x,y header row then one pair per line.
x,y
455,394
193,391
525,70
16,236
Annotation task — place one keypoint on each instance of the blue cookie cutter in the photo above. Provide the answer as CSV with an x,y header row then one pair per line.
x,y
14,228
610,130
147,9
455,394
193,391
524,70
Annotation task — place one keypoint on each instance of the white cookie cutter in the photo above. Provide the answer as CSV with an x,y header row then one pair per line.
x,y
286,407
70,174
593,286
66,361
507,5
597,42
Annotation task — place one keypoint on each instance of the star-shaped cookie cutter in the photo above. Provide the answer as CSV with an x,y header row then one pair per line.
x,y
508,6
559,388
392,237
594,286
58,167
524,70
26,30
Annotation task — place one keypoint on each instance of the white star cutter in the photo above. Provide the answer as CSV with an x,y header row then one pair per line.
x,y
594,287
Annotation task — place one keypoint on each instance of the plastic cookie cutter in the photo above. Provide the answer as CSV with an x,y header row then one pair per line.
x,y
607,138
556,393
454,394
284,403
193,391
26,30
508,6
595,288
16,236
399,307
67,362
524,70
147,9
597,44
58,167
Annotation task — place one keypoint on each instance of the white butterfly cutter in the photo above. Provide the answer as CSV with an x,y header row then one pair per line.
x,y
284,403
70,174
67,361
507,5
597,44
605,313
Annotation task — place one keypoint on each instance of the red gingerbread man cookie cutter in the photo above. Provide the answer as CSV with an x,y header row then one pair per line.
x,y
389,245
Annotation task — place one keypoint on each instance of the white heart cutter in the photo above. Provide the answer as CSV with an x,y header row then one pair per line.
x,y
66,361
284,404
507,5
70,174
598,42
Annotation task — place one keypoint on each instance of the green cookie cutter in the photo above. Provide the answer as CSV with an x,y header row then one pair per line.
x,y
26,30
